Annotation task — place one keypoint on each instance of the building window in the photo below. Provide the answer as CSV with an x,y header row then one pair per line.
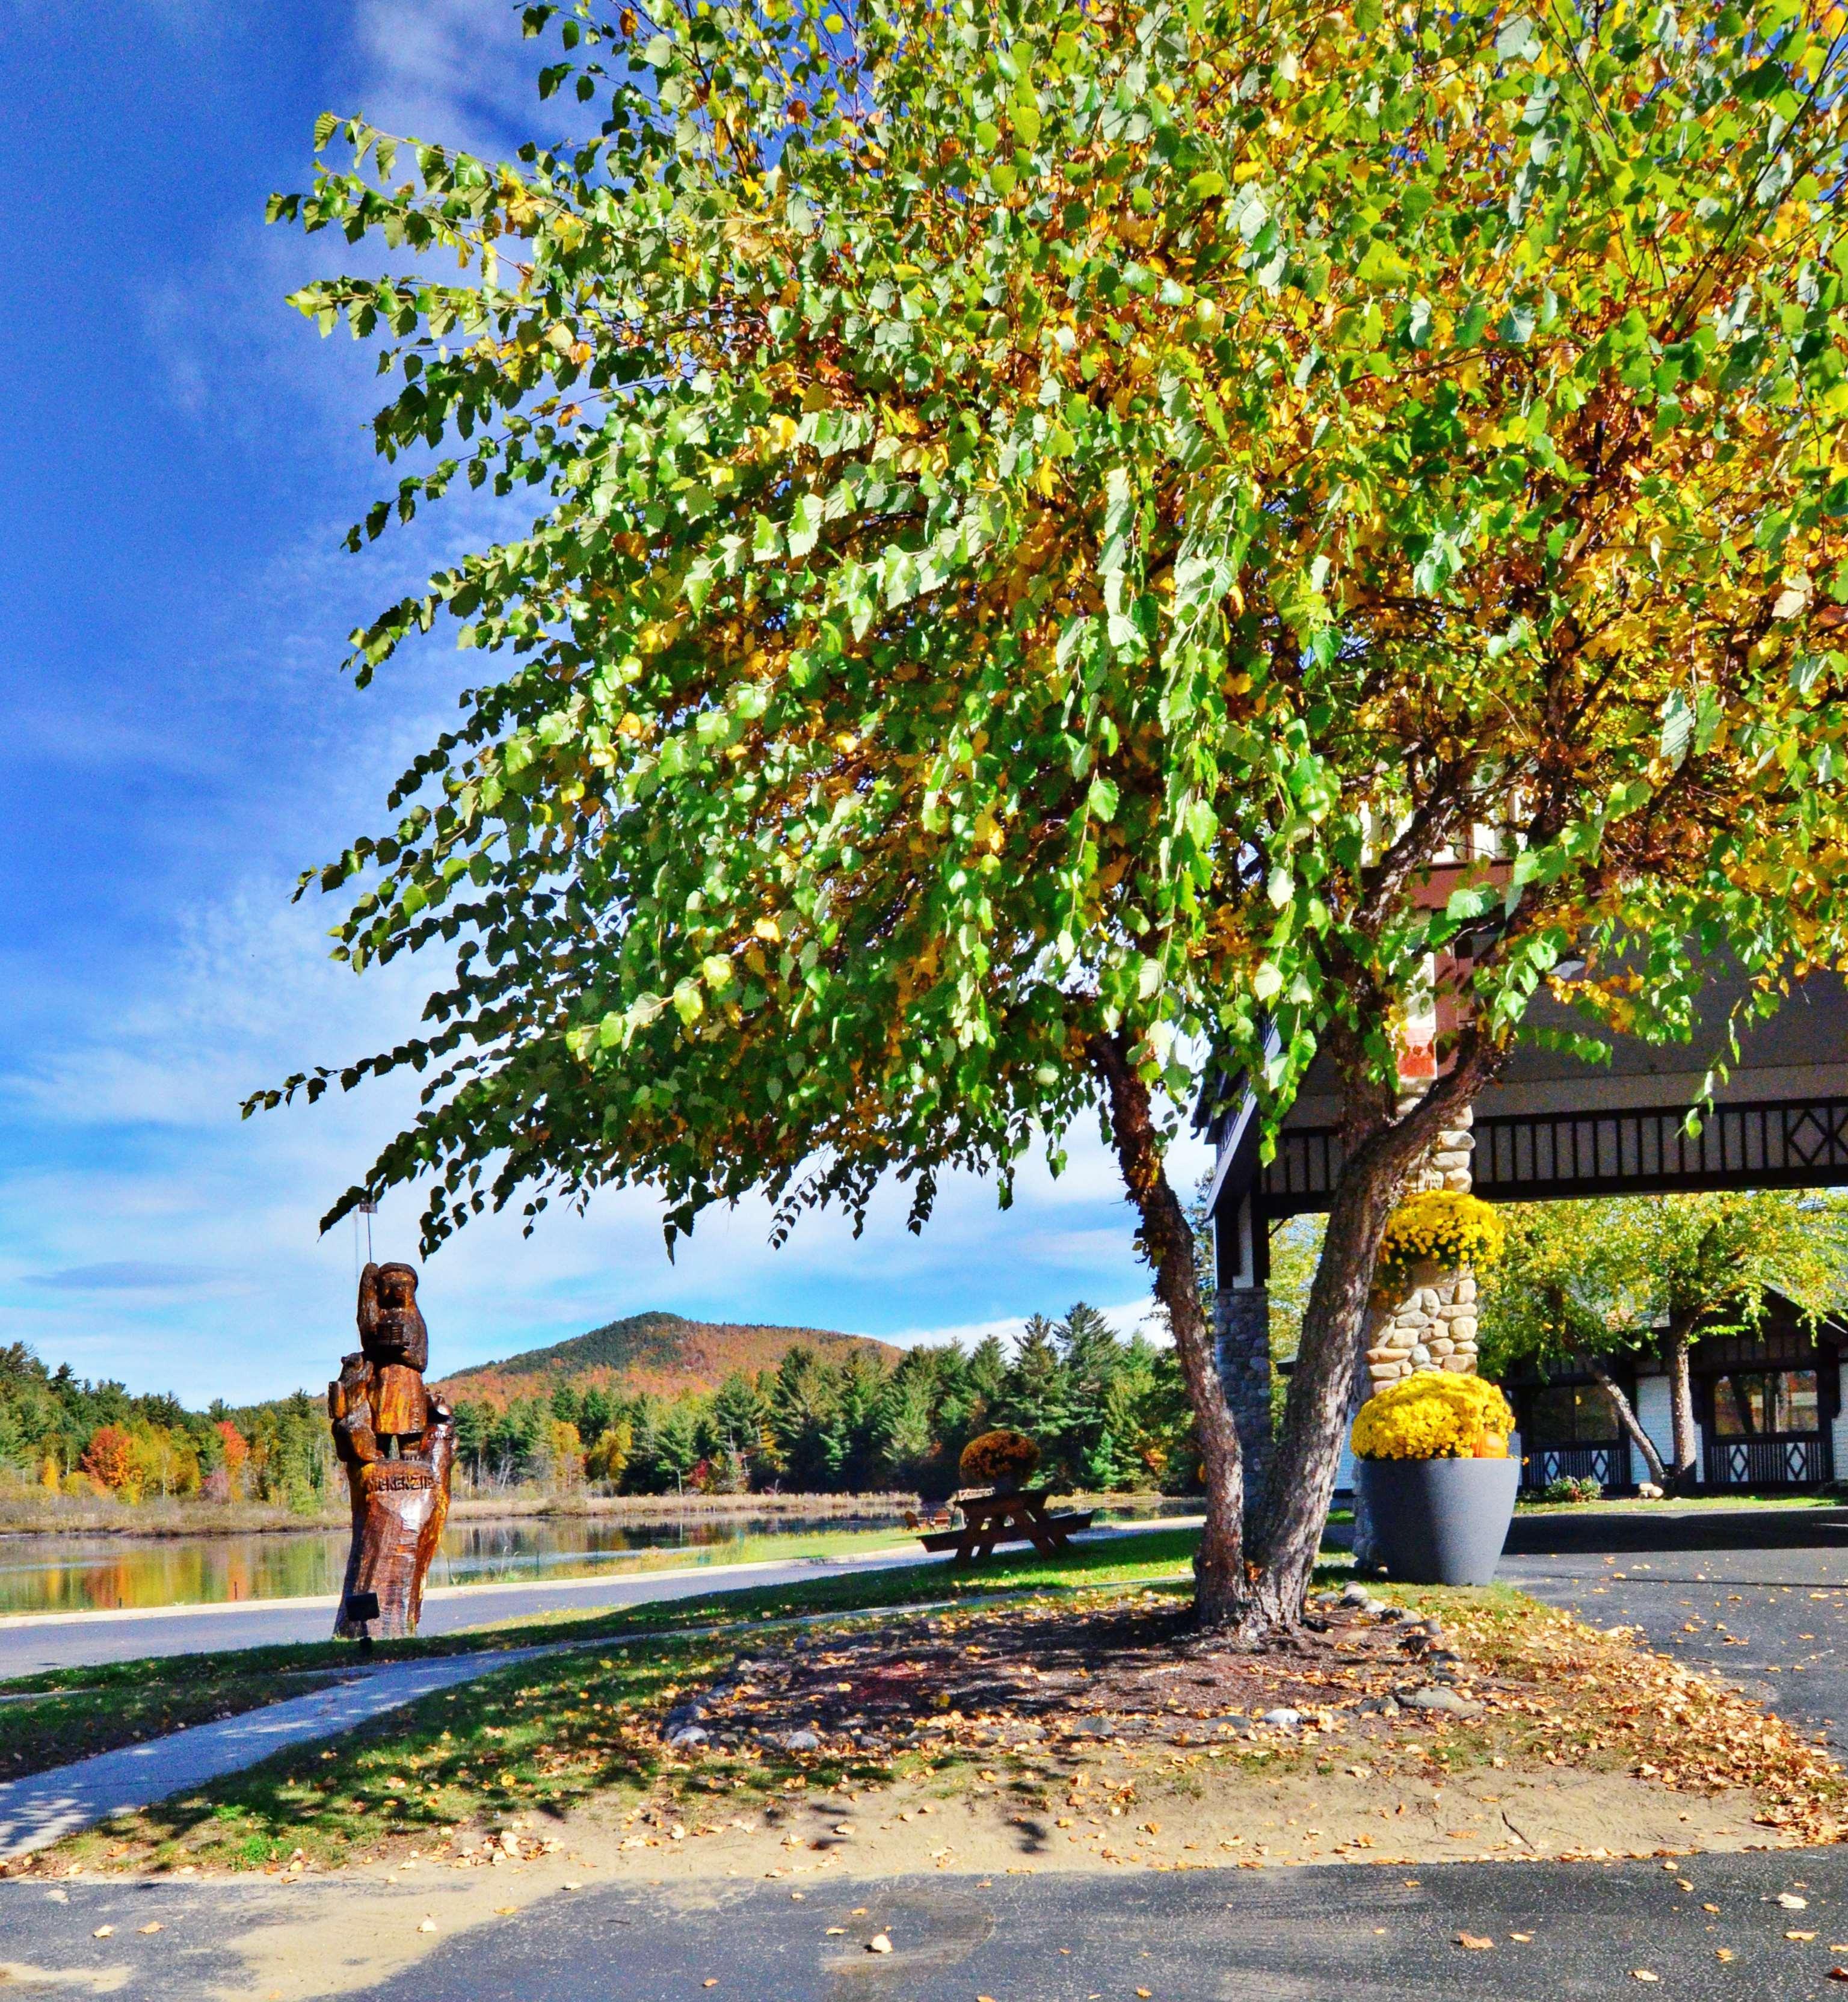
x,y
1571,1414
1751,1404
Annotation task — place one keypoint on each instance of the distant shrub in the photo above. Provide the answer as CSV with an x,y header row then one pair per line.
x,y
1572,1488
999,1460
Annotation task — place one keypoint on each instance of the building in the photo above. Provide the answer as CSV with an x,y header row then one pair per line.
x,y
1768,1409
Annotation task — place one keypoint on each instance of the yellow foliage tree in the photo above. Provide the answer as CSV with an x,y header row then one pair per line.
x,y
1055,526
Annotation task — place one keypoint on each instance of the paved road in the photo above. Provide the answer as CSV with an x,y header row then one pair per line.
x,y
1775,1620
1305,1934
33,1641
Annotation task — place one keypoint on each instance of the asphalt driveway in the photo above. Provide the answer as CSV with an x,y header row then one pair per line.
x,y
1761,1597
1546,1933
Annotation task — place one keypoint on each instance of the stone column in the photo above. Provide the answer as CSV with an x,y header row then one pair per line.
x,y
1242,1329
1432,1324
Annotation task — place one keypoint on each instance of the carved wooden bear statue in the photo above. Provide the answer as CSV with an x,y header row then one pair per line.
x,y
398,1444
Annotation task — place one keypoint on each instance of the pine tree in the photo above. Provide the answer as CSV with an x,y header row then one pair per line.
x,y
1037,1399
907,1451
803,1399
735,1421
851,1447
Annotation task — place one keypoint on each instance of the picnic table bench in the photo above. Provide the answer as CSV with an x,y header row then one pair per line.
x,y
1023,1517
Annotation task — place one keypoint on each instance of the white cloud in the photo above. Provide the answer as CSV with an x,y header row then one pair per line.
x,y
457,73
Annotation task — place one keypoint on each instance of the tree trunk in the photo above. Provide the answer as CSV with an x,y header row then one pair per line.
x,y
1626,1418
1376,1158
1166,1240
1681,1404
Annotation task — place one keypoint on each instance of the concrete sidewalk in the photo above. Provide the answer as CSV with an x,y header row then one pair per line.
x,y
44,1808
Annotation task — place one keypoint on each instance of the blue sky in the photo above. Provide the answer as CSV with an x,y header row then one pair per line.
x,y
180,456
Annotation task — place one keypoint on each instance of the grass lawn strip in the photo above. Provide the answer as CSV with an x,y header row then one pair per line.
x,y
61,1715
1087,1696
123,1704
75,1713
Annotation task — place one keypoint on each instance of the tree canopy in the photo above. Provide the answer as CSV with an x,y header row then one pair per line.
x,y
1052,524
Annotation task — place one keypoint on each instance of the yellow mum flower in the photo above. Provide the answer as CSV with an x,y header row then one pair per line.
x,y
1434,1416
1445,1228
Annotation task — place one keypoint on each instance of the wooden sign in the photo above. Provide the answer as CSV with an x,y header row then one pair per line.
x,y
398,1444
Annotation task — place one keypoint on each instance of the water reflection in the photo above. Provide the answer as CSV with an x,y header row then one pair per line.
x,y
79,1573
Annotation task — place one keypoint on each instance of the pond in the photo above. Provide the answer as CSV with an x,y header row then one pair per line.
x,y
82,1574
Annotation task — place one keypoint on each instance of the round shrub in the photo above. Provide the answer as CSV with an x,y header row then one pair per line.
x,y
1434,1416
999,1460
1445,1227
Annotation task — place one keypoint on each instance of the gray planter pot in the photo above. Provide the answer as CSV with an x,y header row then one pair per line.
x,y
1438,1522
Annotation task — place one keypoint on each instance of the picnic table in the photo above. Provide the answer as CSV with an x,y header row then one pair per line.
x,y
1020,1518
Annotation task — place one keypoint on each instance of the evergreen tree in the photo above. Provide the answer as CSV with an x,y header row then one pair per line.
x,y
677,1446
736,1421
852,1444
596,1412
1036,1398
907,1451
803,1402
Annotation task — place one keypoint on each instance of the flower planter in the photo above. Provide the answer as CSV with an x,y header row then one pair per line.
x,y
1438,1522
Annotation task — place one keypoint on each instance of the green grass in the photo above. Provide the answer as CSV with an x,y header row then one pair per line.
x,y
97,1710
1622,1505
90,1709
540,1736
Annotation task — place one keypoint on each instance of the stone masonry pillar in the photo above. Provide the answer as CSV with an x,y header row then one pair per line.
x,y
1242,1331
1432,1324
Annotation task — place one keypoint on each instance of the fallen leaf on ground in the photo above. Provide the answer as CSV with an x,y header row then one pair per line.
x,y
1643,1974
1791,1902
1526,1939
1722,1953
102,1932
1474,1942
152,1925
878,1944
1800,1936
428,1926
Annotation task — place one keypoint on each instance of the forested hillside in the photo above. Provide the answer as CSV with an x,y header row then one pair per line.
x,y
1107,1412
830,1414
663,1353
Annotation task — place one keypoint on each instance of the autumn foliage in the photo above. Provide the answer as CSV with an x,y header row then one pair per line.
x,y
110,1459
1052,524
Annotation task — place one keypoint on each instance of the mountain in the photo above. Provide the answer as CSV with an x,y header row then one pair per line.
x,y
665,1353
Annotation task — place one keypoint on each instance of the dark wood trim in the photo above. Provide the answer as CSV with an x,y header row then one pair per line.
x,y
1531,1157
